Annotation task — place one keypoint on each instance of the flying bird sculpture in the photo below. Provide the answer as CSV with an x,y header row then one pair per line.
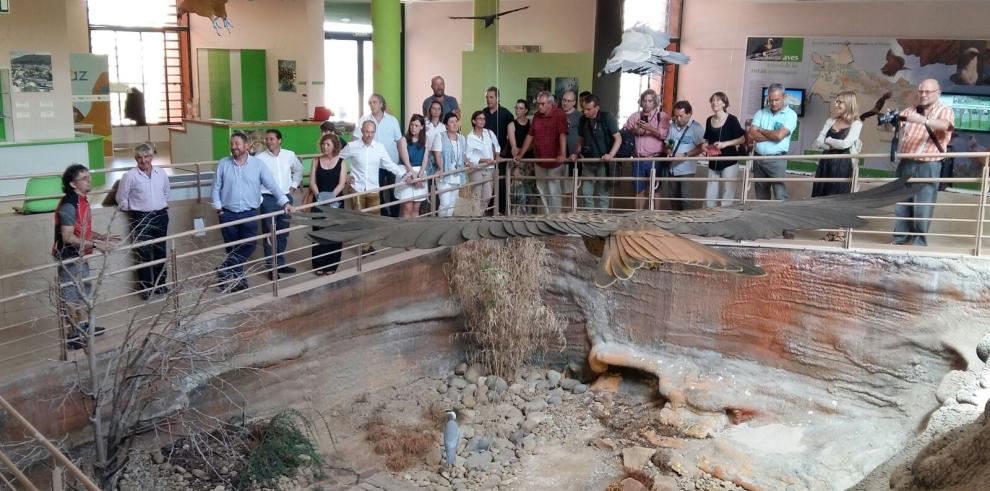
x,y
624,242
215,10
490,19
642,51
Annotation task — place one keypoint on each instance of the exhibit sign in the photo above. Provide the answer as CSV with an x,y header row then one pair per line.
x,y
821,67
90,81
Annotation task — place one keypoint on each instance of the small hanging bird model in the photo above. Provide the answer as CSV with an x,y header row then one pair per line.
x,y
490,19
643,51
215,10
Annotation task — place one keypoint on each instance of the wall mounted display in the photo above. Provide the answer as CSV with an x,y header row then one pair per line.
x,y
870,67
90,81
31,72
533,87
560,84
287,75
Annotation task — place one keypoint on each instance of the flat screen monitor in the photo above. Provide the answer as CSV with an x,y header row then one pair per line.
x,y
969,112
792,97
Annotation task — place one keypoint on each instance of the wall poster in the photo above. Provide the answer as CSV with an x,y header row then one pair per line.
x,y
90,81
31,72
287,75
871,67
533,87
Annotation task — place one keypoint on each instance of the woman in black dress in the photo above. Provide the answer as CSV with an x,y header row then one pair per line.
x,y
327,182
523,191
839,137
723,137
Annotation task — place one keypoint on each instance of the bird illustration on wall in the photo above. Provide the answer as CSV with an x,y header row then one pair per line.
x,y
215,10
490,19
643,51
624,242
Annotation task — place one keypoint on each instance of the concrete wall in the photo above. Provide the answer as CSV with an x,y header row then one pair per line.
x,y
434,44
714,32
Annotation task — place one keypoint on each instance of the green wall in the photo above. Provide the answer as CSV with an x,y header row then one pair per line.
x,y
218,60
254,85
513,69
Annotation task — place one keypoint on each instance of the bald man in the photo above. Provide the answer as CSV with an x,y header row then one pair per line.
x,y
448,102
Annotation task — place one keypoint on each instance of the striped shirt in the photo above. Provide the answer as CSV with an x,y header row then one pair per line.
x,y
914,136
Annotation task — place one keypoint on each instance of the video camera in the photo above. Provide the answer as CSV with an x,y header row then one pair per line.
x,y
891,117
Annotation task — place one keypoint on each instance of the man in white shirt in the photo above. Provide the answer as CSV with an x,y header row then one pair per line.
x,y
387,132
285,167
366,157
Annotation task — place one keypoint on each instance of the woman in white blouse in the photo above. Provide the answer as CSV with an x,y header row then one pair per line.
x,y
482,148
839,137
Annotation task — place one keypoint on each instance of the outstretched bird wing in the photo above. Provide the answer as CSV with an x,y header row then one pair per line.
x,y
625,242
642,51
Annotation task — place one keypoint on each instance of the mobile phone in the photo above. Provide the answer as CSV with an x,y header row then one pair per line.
x,y
644,117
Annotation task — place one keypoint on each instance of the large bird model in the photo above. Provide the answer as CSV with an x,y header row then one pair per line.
x,y
489,19
215,10
642,51
625,242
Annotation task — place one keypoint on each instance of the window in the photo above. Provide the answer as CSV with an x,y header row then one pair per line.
x,y
349,75
147,49
656,15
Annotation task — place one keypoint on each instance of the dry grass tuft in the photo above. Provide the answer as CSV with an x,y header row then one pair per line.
x,y
641,476
500,288
403,446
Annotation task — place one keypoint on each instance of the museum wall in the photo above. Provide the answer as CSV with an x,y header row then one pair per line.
x,y
286,30
714,35
39,27
558,26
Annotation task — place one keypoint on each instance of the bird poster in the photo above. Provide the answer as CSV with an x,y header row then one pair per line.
x,y
560,84
534,86
287,75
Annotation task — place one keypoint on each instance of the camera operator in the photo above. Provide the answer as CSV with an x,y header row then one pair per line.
x,y
926,129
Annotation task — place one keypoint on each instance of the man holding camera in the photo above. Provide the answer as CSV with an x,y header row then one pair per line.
x,y
925,129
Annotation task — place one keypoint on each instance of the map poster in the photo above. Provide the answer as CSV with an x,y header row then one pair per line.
x,y
871,67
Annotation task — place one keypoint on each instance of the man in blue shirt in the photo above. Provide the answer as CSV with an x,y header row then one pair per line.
x,y
685,139
237,195
771,132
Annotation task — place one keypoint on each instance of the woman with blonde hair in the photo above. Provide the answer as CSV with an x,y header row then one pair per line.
x,y
839,137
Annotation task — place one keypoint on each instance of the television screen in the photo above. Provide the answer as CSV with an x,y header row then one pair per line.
x,y
792,97
969,112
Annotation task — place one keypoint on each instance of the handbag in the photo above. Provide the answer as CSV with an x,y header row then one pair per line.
x,y
948,163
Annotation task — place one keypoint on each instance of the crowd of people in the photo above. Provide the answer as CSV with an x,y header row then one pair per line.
x,y
558,139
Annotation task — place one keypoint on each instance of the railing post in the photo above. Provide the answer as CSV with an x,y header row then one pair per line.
x,y
433,199
981,212
509,167
495,193
199,184
574,187
847,241
173,261
653,186
745,181
273,237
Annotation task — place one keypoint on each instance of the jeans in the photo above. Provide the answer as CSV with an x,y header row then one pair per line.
x,y
149,225
595,194
237,254
728,187
549,190
268,205
904,230
770,168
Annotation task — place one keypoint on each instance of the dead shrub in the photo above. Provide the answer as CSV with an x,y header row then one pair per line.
x,y
500,288
402,445
641,476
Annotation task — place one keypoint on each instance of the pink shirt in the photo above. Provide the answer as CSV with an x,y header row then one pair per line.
x,y
649,145
140,192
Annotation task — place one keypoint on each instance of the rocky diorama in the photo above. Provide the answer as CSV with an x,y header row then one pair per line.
x,y
834,370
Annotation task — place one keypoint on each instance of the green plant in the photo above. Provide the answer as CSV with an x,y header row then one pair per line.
x,y
274,447
500,288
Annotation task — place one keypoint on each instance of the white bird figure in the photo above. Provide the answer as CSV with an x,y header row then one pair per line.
x,y
642,51
451,438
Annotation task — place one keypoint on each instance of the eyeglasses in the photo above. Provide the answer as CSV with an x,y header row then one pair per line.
x,y
83,178
569,100
923,92
543,103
